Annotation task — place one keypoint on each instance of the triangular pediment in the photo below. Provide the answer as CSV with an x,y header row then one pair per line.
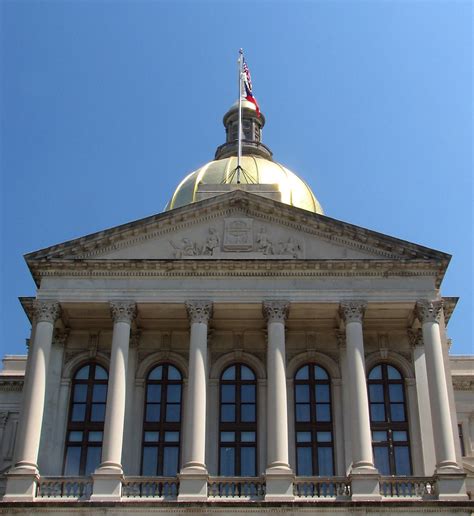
x,y
237,225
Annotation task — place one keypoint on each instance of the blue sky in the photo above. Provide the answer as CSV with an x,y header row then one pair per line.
x,y
106,105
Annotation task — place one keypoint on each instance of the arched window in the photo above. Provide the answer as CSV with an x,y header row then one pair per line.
x,y
162,422
86,420
313,422
238,422
389,422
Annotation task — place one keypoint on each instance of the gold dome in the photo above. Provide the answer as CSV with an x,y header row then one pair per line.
x,y
256,170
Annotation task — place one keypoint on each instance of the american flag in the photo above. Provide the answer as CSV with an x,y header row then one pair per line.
x,y
248,85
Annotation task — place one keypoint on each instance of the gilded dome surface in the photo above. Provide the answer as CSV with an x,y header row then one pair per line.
x,y
255,170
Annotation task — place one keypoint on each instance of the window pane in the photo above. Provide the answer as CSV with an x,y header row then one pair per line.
x,y
92,459
305,462
156,374
322,412
397,411
150,460
151,437
377,412
153,393
396,392
95,437
152,412
98,412
229,373
173,393
247,461
320,373
172,437
248,393
378,436
75,436
302,393
246,373
73,460
99,393
247,437
227,462
173,412
83,373
247,412
381,460
228,393
78,412
393,374
402,460
302,373
173,373
376,373
100,373
227,413
228,437
302,412
322,393
323,437
376,393
170,461
398,435
80,392
303,437
325,461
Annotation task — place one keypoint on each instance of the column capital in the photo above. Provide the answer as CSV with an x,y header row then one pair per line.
x,y
60,336
428,311
46,311
275,311
123,311
199,310
352,311
415,337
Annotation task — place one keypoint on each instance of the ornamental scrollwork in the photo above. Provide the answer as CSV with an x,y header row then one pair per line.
x,y
352,311
60,336
199,311
429,311
415,337
46,311
123,311
275,311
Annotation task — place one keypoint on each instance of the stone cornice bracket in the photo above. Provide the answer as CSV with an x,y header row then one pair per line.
x,y
199,311
275,311
46,311
416,337
352,311
123,311
429,311
135,336
341,339
60,336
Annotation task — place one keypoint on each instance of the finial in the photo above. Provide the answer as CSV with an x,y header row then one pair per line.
x,y
241,51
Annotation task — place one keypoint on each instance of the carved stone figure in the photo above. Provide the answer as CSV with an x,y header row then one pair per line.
x,y
291,247
187,248
264,244
212,242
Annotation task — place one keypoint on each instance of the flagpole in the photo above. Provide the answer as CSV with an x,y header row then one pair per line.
x,y
239,140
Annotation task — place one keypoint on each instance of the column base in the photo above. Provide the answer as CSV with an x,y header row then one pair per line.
x,y
22,484
365,484
107,483
193,483
451,486
279,481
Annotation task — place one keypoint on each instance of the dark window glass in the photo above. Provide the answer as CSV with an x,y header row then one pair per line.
x,y
238,422
314,442
162,424
86,420
390,437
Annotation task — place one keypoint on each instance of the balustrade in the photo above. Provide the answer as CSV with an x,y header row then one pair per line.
x,y
241,488
72,488
322,488
164,488
408,487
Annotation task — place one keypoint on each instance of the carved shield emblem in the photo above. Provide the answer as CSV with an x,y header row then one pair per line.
x,y
238,234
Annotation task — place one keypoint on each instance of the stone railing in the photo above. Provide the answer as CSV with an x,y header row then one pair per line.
x,y
164,488
322,488
408,487
236,488
71,488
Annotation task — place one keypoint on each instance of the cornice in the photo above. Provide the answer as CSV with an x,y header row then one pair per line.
x,y
11,384
463,382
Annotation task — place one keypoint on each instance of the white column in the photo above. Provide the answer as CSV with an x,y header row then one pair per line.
x,y
279,476
364,475
21,482
193,476
346,403
107,477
